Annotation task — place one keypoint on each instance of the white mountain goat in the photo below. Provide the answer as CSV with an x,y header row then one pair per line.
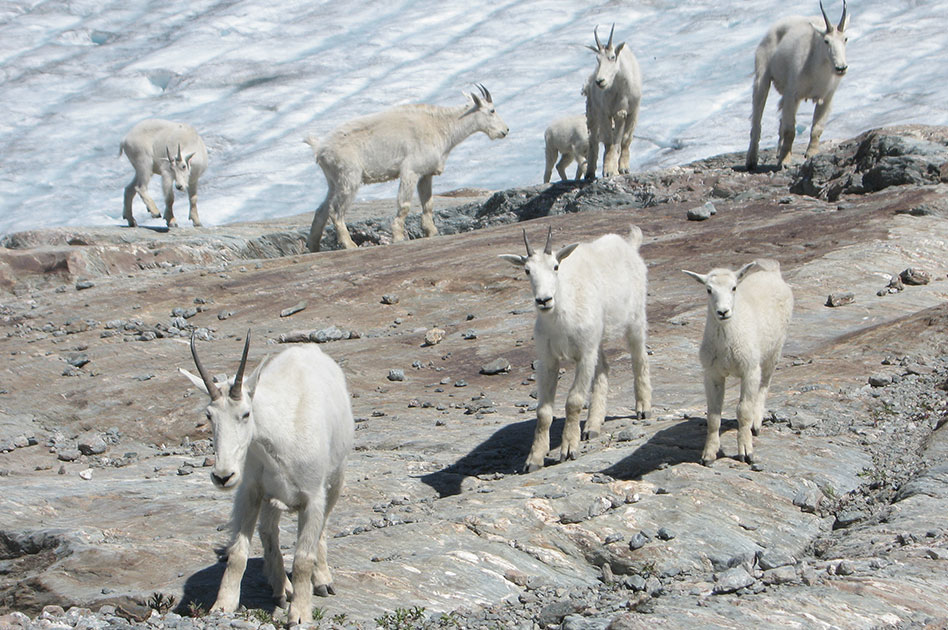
x,y
613,93
805,59
585,293
170,149
281,439
569,137
748,316
409,143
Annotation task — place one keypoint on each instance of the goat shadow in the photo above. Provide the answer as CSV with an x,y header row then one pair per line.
x,y
200,589
163,229
503,452
680,443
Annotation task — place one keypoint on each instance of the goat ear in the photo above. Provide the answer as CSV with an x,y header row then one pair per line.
x,y
477,100
168,153
514,259
593,48
250,383
619,48
196,380
565,251
743,271
697,276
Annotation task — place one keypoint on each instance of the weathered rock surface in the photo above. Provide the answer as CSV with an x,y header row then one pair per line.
x,y
434,514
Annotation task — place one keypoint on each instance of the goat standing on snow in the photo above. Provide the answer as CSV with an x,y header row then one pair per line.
x,y
568,137
804,61
281,439
409,143
170,149
748,317
597,292
613,93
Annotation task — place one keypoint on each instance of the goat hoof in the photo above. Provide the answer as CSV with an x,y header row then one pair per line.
x,y
529,468
641,415
590,435
755,431
324,590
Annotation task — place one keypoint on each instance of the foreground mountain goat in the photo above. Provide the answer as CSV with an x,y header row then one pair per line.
x,y
281,439
170,149
805,60
613,93
583,294
409,143
568,137
748,317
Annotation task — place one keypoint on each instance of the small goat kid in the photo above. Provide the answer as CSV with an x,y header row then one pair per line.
x,y
584,293
281,439
409,143
170,149
805,61
613,93
569,137
746,326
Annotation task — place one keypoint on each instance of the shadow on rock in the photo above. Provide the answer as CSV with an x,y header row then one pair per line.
x,y
502,453
200,589
679,443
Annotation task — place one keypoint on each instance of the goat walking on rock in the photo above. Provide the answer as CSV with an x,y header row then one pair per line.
x,y
746,326
409,143
583,294
170,149
805,59
280,439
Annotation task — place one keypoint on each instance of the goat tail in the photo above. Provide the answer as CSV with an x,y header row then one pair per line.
x,y
635,236
313,142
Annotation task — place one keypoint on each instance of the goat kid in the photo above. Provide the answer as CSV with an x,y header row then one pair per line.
x,y
170,149
280,439
568,139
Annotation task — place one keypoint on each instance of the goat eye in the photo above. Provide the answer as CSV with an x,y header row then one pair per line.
x,y
245,416
526,271
556,267
733,289
709,290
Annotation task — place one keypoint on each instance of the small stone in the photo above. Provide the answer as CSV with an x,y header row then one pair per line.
x,y
86,474
497,366
77,359
468,335
732,580
915,277
629,435
92,444
845,567
802,420
840,299
702,213
665,534
389,299
772,559
638,540
613,538
68,454
780,575
434,336
296,308
635,582
84,284
460,383
808,499
225,315
880,380
572,517
847,518
599,507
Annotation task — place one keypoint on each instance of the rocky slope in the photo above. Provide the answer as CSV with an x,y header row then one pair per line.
x,y
103,468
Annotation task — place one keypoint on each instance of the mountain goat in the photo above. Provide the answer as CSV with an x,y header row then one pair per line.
x,y
409,143
804,59
569,137
748,317
170,149
613,93
281,439
584,293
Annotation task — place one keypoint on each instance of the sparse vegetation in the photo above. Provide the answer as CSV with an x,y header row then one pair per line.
x,y
161,602
401,619
196,610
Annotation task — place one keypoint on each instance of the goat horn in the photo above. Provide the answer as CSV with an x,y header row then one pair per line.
x,y
842,20
829,25
179,151
485,92
168,153
596,35
212,389
611,31
235,389
527,243
549,242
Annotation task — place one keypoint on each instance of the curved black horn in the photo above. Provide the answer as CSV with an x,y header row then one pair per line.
x,y
829,25
235,389
611,31
596,35
842,20
485,92
549,242
212,389
527,243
